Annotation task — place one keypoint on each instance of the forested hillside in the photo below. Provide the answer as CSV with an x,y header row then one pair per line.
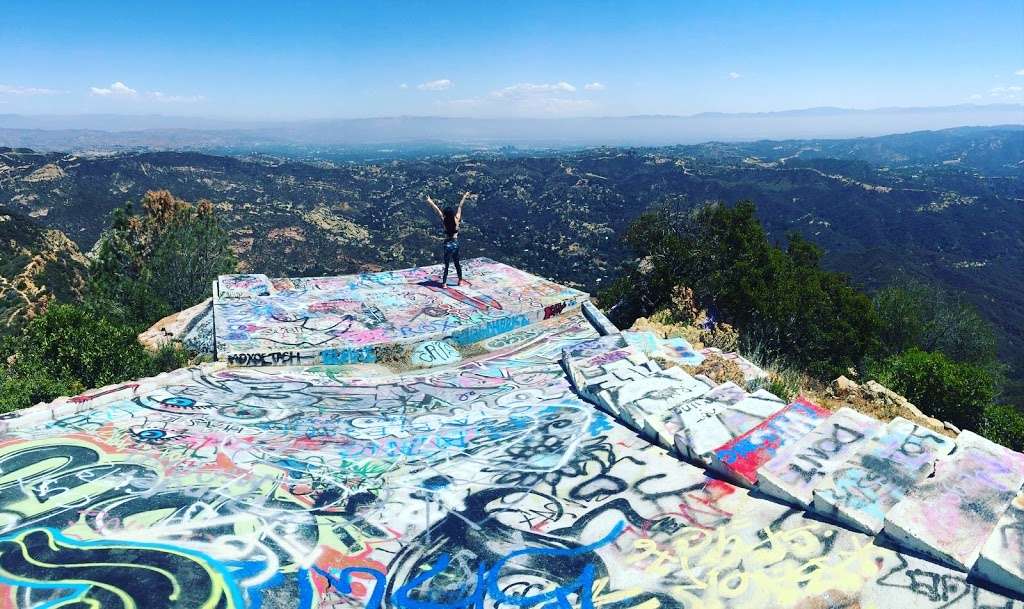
x,y
945,207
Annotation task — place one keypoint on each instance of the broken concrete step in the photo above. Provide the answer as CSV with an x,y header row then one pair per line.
x,y
580,368
859,493
1002,557
793,473
950,516
704,423
751,411
596,380
594,346
740,458
645,403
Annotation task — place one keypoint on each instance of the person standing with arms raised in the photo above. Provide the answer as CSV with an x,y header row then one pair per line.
x,y
451,219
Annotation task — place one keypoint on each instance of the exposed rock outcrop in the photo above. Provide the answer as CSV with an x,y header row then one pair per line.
x,y
883,403
174,327
37,266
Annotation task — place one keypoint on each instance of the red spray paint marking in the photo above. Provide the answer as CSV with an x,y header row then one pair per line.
x,y
480,303
81,399
746,453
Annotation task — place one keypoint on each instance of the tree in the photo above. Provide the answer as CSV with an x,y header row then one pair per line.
x,y
161,260
780,299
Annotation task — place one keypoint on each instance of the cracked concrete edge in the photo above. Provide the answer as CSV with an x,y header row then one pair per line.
x,y
66,406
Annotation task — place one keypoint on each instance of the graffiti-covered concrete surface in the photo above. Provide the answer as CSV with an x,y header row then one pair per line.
x,y
363,318
486,482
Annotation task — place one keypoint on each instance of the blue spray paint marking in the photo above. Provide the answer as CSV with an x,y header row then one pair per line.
x,y
401,596
599,424
343,582
358,355
246,569
305,583
486,582
582,585
490,329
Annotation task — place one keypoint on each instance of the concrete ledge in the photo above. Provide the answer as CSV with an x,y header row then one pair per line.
x,y
793,473
1002,557
951,515
596,317
861,492
742,457
62,407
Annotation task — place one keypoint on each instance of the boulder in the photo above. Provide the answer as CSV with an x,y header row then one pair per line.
x,y
843,387
173,327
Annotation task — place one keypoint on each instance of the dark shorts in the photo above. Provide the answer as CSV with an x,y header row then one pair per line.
x,y
451,247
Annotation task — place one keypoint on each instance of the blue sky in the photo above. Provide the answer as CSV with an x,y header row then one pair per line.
x,y
292,60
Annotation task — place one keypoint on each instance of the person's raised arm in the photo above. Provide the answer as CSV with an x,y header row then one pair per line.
x,y
436,208
458,213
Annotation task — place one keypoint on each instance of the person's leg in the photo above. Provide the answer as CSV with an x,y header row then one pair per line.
x,y
458,267
447,261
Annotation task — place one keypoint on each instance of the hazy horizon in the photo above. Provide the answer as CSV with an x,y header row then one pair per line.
x,y
165,132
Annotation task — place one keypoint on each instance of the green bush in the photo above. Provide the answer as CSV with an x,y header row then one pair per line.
x,y
1004,424
923,316
74,342
942,388
71,348
22,386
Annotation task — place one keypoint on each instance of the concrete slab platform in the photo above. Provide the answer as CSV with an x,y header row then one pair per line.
x,y
950,515
740,459
861,492
793,473
346,319
483,483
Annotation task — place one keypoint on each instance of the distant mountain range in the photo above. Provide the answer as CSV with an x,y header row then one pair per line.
x,y
104,132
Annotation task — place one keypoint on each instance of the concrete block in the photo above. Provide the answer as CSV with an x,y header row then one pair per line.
x,y
950,515
1002,557
749,412
580,368
680,351
646,341
698,423
594,346
740,458
594,381
859,493
597,318
644,405
793,473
